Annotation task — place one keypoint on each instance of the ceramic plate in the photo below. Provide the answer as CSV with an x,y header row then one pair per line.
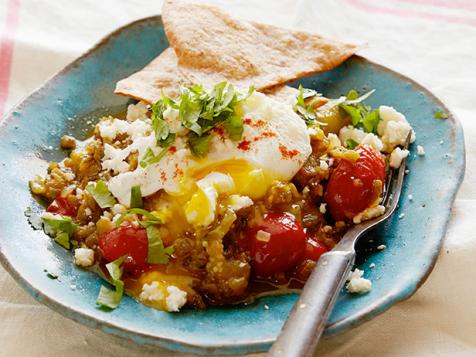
x,y
74,97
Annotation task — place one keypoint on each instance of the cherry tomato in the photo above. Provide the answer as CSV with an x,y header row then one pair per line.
x,y
276,244
314,250
61,206
354,186
129,241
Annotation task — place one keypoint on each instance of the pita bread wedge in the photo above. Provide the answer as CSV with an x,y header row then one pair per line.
x,y
212,46
159,75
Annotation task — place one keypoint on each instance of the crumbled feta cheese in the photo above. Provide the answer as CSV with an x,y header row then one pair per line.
x,y
79,194
323,165
369,213
397,156
322,208
151,292
359,136
171,116
373,140
357,283
84,257
393,128
176,298
88,211
334,141
137,111
381,247
420,150
237,202
118,209
107,215
263,236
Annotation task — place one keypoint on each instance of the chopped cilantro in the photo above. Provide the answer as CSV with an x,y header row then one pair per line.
x,y
159,125
306,110
157,253
370,121
60,228
199,144
50,274
150,217
136,197
150,158
362,115
62,239
199,111
111,298
101,194
440,115
234,127
351,144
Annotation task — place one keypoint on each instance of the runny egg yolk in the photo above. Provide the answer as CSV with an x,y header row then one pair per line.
x,y
207,185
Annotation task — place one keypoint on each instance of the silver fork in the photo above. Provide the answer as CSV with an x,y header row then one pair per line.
x,y
307,320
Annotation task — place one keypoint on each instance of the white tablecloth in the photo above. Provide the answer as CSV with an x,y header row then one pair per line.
x,y
432,41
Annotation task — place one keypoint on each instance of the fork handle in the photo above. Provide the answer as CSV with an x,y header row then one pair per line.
x,y
307,320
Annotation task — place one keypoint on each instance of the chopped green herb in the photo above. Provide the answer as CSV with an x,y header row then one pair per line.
x,y
62,239
199,144
440,115
111,298
150,158
54,224
157,253
50,274
136,197
60,228
352,95
370,121
354,113
362,115
199,111
159,125
101,194
306,110
351,144
150,217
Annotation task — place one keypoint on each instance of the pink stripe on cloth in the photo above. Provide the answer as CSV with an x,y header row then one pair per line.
x,y
6,49
450,4
370,7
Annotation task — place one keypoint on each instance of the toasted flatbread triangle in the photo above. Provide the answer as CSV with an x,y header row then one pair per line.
x,y
159,75
212,46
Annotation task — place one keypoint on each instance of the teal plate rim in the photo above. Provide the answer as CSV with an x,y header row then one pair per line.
x,y
178,344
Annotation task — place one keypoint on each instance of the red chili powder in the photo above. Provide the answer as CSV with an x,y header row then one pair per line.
x,y
287,154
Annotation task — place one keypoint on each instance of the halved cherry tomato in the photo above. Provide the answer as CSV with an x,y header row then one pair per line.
x,y
314,250
354,186
61,206
129,241
276,244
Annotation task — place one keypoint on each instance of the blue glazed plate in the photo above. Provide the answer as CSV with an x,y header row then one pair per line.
x,y
68,103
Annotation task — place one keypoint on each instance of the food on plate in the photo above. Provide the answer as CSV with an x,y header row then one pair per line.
x,y
205,195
